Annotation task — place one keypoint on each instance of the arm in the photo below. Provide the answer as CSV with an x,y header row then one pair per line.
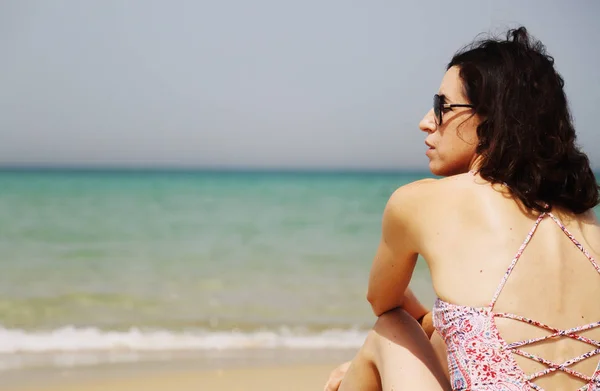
x,y
396,256
413,306
384,293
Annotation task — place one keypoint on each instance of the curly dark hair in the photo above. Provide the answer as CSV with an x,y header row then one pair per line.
x,y
526,137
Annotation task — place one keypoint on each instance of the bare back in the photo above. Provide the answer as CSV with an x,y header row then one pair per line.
x,y
471,232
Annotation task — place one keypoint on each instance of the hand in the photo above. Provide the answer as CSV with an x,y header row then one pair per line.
x,y
336,376
427,324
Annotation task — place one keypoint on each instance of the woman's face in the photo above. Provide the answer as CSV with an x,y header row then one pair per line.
x,y
451,145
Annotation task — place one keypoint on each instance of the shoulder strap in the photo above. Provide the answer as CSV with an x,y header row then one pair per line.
x,y
515,259
575,242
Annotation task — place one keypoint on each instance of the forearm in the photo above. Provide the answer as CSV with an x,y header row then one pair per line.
x,y
413,306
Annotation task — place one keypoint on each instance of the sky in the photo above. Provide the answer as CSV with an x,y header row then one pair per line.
x,y
257,84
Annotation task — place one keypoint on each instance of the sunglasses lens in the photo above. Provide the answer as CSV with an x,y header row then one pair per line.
x,y
436,108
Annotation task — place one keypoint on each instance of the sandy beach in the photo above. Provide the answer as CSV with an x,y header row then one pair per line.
x,y
262,370
291,378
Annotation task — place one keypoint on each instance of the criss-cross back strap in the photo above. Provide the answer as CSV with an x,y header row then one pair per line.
x,y
575,241
526,242
515,259
569,333
552,367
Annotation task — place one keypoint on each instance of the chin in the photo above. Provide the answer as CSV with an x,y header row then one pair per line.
x,y
437,169
444,170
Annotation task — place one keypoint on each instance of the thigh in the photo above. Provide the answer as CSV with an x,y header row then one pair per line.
x,y
396,355
404,356
441,351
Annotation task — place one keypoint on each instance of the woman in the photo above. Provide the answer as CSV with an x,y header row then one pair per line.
x,y
509,236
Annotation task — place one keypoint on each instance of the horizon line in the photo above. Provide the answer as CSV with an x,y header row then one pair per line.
x,y
207,169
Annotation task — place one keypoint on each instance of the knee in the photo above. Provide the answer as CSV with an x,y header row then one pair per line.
x,y
403,354
396,321
395,315
390,327
397,328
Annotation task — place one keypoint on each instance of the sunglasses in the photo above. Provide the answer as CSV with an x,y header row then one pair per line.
x,y
439,106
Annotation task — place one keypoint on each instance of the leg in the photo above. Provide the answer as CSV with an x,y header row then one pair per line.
x,y
396,355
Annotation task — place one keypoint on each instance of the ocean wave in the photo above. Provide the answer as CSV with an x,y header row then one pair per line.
x,y
72,339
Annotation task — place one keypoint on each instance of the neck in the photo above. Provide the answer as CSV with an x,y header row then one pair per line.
x,y
475,163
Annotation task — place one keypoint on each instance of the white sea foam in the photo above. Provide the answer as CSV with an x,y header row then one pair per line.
x,y
70,339
70,346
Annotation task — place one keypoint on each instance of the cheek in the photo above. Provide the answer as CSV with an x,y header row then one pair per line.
x,y
452,156
461,145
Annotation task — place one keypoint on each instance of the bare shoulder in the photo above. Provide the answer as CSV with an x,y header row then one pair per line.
x,y
410,193
420,202
429,189
406,203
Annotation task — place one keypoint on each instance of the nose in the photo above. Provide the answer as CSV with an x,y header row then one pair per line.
x,y
428,124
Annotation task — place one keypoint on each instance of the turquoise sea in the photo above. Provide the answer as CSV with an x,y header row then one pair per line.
x,y
97,262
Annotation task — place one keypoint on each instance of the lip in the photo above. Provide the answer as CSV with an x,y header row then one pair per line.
x,y
431,148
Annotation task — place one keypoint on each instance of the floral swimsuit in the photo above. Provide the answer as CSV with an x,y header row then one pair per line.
x,y
479,358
